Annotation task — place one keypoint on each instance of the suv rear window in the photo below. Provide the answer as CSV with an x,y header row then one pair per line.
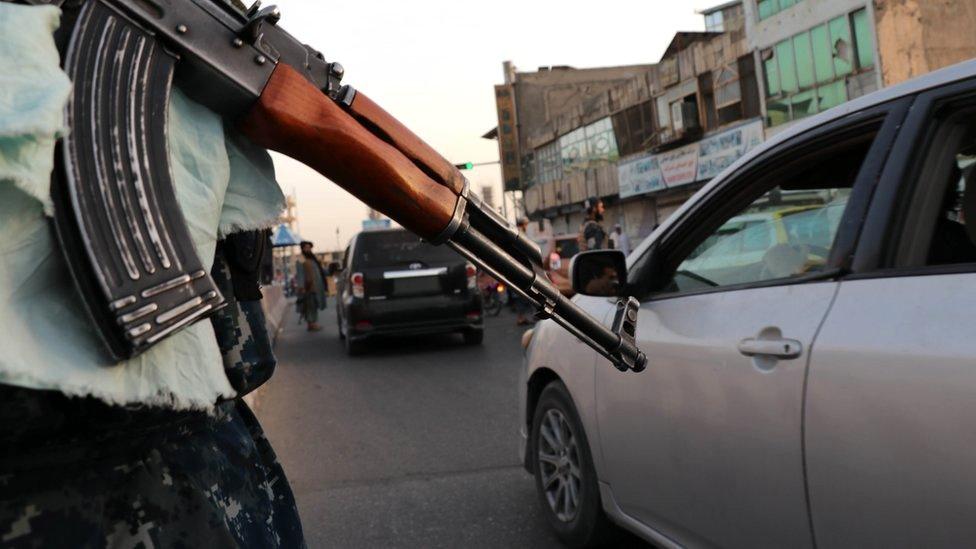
x,y
389,248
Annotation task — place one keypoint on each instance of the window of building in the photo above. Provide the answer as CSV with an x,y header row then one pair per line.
x,y
633,127
714,22
548,166
727,90
600,141
863,41
527,170
769,8
722,94
591,144
684,114
805,74
573,149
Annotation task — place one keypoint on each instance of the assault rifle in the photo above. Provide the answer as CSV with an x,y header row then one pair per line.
x,y
116,214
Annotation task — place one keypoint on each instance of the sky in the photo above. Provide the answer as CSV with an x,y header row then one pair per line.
x,y
433,65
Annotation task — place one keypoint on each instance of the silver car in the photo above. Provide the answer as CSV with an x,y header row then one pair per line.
x,y
809,319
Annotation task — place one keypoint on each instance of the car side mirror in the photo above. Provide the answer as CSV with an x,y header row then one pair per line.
x,y
601,273
334,267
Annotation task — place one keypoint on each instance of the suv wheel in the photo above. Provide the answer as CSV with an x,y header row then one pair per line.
x,y
474,337
342,335
565,478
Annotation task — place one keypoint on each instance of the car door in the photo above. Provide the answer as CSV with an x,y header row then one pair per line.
x,y
705,446
892,384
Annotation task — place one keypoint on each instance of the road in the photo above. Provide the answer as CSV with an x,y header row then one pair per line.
x,y
412,445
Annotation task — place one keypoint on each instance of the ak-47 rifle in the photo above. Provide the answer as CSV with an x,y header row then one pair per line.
x,y
116,214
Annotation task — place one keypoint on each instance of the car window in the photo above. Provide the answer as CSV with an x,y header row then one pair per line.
x,y
399,248
954,236
939,212
786,230
772,238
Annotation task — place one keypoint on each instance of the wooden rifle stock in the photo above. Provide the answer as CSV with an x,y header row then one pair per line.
x,y
391,130
295,118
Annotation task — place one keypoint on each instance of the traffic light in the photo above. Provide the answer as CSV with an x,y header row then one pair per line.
x,y
465,166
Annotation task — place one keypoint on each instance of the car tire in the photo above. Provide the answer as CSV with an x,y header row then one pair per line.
x,y
474,337
342,334
567,467
354,347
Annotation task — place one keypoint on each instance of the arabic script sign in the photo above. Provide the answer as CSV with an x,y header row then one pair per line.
x,y
639,175
699,161
680,166
720,151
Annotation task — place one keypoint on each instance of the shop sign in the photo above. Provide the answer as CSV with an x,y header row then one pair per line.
x,y
720,151
699,161
680,166
639,175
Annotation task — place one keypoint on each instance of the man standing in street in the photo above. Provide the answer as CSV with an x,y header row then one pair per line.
x,y
592,235
310,281
620,240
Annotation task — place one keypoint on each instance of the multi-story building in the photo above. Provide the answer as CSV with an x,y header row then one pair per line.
x,y
631,136
814,54
817,54
707,113
532,104
644,138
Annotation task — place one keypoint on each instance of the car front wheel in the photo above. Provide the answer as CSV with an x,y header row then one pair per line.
x,y
565,478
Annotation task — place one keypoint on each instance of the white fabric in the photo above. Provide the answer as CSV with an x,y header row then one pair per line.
x,y
46,341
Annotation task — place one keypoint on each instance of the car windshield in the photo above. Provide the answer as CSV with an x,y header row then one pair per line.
x,y
389,248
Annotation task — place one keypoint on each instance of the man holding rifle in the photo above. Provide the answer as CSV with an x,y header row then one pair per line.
x,y
126,425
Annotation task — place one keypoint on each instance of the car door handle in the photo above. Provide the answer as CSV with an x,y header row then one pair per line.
x,y
779,348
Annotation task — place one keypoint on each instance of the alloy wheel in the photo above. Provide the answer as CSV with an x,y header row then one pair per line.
x,y
559,465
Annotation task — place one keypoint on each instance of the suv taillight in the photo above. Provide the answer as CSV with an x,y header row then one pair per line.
x,y
472,274
358,282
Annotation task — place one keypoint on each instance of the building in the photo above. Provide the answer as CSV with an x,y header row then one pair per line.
x,y
920,36
814,54
706,114
629,135
645,137
817,54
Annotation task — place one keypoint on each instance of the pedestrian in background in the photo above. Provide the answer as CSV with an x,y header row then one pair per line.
x,y
592,235
310,282
620,240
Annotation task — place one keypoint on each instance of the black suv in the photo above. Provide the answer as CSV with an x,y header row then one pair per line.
x,y
392,283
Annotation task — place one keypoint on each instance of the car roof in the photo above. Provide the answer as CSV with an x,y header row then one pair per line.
x,y
935,79
360,234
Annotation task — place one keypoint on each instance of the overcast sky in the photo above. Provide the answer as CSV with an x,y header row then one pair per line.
x,y
432,64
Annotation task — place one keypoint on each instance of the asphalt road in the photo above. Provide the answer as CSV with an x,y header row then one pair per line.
x,y
412,445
